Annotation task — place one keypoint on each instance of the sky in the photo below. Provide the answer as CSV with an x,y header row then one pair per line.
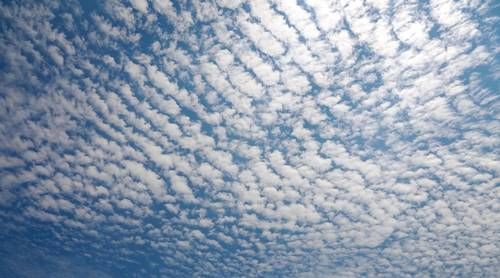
x,y
229,138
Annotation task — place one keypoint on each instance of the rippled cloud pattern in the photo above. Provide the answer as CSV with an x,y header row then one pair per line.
x,y
310,138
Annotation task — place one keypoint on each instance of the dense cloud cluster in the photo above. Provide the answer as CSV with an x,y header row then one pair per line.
x,y
262,138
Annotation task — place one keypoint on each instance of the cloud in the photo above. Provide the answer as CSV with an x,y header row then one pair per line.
x,y
140,5
261,138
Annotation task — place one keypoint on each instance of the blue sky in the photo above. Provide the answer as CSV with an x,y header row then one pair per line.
x,y
150,138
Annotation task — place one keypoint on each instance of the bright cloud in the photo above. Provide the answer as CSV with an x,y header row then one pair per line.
x,y
260,138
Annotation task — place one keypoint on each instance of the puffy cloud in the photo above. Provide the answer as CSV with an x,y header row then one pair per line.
x,y
140,5
260,138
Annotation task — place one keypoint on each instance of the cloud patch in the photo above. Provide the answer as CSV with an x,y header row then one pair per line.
x,y
261,138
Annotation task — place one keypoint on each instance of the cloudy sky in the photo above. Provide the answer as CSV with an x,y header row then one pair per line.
x,y
189,138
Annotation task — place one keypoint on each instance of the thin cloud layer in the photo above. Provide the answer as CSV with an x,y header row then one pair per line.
x,y
250,139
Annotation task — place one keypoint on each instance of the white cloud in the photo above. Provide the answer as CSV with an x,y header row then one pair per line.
x,y
55,54
269,138
180,186
140,5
